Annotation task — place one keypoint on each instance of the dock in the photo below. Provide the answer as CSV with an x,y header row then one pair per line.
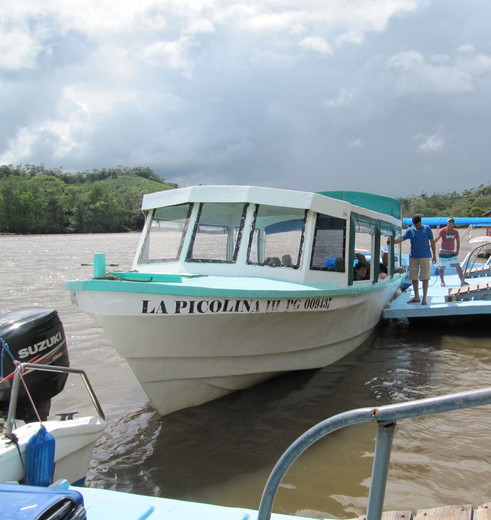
x,y
478,291
452,300
476,272
464,512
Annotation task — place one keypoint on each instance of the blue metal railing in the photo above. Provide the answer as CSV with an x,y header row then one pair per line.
x,y
471,259
386,418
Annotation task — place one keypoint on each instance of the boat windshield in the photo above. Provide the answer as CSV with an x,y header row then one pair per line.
x,y
217,232
166,233
277,236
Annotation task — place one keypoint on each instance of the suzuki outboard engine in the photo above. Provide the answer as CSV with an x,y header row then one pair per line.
x,y
33,335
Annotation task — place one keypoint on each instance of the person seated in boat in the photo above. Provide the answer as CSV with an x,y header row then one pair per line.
x,y
384,267
286,261
334,263
272,261
359,257
361,271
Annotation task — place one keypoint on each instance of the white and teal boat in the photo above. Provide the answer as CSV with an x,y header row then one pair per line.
x,y
232,285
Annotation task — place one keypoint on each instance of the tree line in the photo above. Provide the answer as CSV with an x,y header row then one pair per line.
x,y
470,203
35,199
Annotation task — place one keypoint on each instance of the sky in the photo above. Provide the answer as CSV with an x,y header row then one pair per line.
x,y
384,96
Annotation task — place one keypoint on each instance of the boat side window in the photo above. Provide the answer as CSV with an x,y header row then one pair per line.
x,y
364,249
217,232
328,251
390,260
165,236
277,237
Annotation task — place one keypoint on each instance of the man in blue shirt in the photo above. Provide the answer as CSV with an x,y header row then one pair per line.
x,y
421,238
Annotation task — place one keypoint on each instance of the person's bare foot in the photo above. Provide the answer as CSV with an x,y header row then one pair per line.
x,y
443,284
413,300
424,302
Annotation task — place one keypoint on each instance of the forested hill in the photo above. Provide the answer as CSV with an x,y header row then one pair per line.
x,y
471,203
34,199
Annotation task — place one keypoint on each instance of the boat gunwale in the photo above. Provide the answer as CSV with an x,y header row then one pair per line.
x,y
253,287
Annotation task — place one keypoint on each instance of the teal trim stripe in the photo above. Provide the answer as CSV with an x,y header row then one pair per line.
x,y
255,288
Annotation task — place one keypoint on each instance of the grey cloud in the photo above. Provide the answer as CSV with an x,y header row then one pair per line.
x,y
391,98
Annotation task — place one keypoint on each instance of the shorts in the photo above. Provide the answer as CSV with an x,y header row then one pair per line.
x,y
451,261
419,268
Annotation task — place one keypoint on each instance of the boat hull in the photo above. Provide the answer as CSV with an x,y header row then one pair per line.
x,y
74,443
186,351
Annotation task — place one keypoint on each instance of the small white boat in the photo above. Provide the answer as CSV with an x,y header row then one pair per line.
x,y
232,285
74,443
483,239
65,446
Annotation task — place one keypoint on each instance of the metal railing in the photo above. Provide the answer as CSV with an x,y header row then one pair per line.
x,y
19,371
471,259
386,418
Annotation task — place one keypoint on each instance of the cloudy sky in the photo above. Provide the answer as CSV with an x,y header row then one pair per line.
x,y
389,96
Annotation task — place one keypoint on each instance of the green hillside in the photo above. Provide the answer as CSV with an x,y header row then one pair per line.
x,y
37,200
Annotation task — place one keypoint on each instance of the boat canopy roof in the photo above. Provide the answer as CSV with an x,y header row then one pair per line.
x,y
459,221
278,197
386,205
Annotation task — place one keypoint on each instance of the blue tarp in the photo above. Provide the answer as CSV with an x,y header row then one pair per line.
x,y
459,221
19,502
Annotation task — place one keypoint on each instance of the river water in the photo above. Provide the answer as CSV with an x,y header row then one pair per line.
x,y
223,451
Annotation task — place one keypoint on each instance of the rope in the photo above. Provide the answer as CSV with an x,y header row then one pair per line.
x,y
17,363
14,440
5,349
12,437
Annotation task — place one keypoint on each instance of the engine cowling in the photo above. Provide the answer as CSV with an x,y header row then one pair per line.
x,y
33,335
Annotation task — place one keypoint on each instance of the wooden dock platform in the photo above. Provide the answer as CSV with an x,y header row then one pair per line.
x,y
464,512
476,272
478,291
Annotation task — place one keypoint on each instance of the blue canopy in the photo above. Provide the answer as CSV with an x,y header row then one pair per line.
x,y
459,221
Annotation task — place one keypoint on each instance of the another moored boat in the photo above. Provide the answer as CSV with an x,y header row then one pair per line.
x,y
232,285
35,446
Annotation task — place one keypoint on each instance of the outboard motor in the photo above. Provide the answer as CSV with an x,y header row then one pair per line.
x,y
33,335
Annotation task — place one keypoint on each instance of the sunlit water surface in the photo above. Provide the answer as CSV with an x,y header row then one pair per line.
x,y
223,451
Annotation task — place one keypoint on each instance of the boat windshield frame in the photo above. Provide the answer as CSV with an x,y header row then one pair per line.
x,y
287,225
176,220
212,226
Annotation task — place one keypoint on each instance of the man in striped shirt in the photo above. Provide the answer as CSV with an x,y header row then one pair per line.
x,y
449,251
